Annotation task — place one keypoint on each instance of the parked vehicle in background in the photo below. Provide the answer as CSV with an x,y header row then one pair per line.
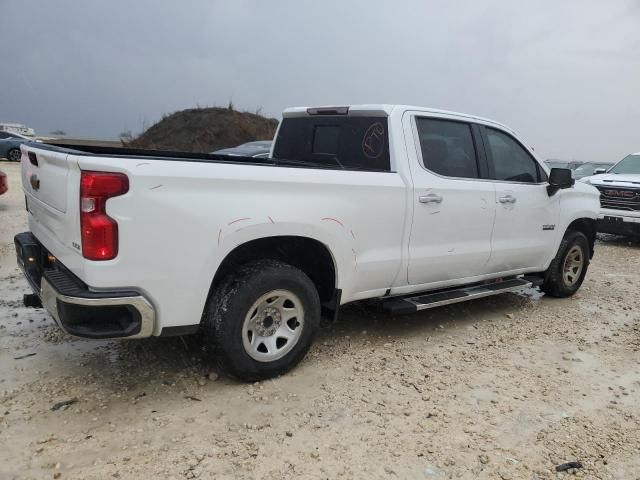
x,y
4,183
257,149
555,163
4,135
10,145
17,128
10,149
413,206
619,197
590,168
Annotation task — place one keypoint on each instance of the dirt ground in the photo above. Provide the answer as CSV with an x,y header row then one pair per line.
x,y
506,388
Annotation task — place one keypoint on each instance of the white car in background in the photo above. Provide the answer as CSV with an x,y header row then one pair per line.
x,y
619,196
591,168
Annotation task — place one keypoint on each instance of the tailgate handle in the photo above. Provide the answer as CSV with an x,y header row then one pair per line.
x,y
33,158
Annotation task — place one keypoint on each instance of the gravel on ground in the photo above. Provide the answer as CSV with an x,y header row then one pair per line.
x,y
507,387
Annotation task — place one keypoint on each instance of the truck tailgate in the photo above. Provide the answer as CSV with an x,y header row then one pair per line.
x,y
50,181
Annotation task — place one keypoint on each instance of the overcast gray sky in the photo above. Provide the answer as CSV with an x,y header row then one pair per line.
x,y
565,74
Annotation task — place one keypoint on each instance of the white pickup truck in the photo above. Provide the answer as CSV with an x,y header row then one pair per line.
x,y
619,196
414,206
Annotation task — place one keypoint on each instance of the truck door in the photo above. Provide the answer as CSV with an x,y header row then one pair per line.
x,y
454,203
526,216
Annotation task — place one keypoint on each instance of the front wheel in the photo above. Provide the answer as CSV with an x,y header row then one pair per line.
x,y
14,155
261,320
568,269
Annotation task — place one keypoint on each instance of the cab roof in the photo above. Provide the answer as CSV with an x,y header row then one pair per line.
x,y
384,110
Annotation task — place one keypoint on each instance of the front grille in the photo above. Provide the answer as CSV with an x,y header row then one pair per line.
x,y
618,198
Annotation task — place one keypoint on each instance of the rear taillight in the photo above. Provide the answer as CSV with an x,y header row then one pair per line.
x,y
99,231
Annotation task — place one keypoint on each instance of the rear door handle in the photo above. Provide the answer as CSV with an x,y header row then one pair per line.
x,y
510,199
431,198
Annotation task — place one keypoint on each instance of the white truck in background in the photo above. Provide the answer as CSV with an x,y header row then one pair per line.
x,y
414,206
619,188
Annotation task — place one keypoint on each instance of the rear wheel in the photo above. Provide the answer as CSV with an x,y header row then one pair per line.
x,y
568,269
14,155
261,320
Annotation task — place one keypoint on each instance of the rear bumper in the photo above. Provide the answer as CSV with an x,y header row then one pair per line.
x,y
76,308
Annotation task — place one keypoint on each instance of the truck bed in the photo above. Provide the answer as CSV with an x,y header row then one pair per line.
x,y
169,155
178,156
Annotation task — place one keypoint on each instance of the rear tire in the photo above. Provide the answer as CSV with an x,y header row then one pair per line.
x,y
14,155
261,320
569,267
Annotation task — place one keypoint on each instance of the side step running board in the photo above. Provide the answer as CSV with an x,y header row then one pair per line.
x,y
400,306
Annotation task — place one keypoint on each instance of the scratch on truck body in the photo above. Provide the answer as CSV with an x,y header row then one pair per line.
x,y
238,220
334,220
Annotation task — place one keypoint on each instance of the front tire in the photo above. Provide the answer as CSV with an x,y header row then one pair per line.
x,y
261,320
569,267
14,155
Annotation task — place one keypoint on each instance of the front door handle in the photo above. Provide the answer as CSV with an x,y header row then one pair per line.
x,y
431,198
510,199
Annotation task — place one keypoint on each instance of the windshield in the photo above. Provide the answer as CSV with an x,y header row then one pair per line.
x,y
629,164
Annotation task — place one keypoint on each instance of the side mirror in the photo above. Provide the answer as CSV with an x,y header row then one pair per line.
x,y
599,171
560,178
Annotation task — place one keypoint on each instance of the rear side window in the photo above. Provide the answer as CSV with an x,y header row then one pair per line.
x,y
511,162
353,143
447,148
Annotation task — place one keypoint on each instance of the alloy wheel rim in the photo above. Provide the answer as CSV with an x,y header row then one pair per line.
x,y
273,325
14,155
573,265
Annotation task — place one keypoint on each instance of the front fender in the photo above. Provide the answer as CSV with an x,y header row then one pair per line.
x,y
581,201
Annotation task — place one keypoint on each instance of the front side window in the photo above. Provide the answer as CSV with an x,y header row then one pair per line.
x,y
447,148
511,162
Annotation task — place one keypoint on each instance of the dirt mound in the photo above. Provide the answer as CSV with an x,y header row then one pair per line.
x,y
205,129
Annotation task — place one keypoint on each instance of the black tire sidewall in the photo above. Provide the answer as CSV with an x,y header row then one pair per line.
x,y
9,154
237,295
555,279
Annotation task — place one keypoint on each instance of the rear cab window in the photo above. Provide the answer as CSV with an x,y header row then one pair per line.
x,y
335,141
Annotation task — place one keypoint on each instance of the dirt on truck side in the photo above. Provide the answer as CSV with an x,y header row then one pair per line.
x,y
508,387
